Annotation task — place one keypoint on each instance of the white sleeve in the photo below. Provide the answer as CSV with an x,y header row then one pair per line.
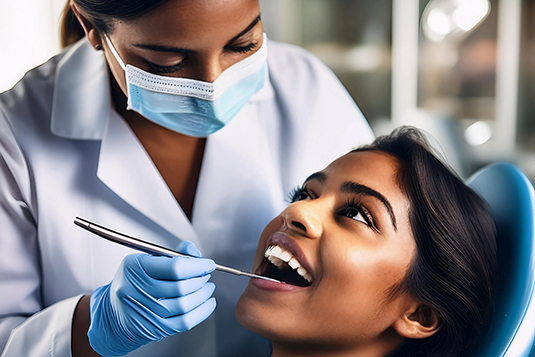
x,y
46,333
39,333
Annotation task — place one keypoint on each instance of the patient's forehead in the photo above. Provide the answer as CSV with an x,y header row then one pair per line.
x,y
374,167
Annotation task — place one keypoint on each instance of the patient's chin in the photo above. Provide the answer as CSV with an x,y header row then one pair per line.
x,y
242,314
249,313
255,316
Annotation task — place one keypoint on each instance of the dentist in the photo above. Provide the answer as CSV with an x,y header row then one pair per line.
x,y
176,121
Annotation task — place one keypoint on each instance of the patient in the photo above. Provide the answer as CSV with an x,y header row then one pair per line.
x,y
385,252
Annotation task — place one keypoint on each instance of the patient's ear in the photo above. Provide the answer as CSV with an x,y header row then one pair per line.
x,y
418,321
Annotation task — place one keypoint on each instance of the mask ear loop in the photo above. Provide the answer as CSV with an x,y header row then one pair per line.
x,y
114,52
123,66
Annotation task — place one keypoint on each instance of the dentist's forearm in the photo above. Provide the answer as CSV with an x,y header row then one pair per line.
x,y
80,325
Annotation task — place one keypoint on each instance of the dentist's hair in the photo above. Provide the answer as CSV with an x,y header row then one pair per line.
x,y
454,272
101,13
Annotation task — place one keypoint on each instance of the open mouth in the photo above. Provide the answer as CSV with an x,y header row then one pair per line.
x,y
280,264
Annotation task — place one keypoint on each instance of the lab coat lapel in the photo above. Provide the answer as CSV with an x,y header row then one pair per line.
x,y
81,101
126,168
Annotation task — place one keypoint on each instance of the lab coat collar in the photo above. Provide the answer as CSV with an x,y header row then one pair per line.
x,y
81,101
126,168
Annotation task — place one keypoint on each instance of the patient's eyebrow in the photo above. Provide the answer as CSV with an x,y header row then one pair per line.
x,y
358,189
320,176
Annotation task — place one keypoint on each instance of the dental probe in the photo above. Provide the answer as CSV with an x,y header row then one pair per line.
x,y
150,248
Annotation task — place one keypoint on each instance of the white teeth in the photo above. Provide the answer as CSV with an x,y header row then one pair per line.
x,y
293,263
270,248
276,251
278,257
276,261
279,263
285,256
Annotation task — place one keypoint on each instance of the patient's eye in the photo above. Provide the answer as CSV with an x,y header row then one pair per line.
x,y
299,193
356,215
357,211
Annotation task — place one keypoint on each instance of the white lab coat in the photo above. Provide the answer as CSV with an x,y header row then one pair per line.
x,y
65,152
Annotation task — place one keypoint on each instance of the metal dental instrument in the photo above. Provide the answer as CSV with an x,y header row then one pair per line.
x,y
150,248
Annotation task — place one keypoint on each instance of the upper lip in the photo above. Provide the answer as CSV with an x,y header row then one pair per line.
x,y
284,241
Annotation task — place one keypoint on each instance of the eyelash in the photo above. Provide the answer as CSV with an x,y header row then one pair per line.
x,y
350,204
242,49
166,70
172,69
294,194
354,204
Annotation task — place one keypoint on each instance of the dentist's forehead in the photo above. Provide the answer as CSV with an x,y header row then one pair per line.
x,y
192,21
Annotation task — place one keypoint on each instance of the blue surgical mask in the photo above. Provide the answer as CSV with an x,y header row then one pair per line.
x,y
193,107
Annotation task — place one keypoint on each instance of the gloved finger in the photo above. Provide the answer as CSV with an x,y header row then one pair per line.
x,y
176,268
164,289
184,304
187,247
188,321
154,287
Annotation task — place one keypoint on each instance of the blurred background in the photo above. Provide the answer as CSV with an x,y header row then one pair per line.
x,y
463,70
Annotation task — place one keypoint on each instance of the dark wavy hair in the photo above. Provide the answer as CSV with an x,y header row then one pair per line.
x,y
101,13
455,269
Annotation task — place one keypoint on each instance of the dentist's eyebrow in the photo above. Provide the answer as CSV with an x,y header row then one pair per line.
x,y
163,48
358,189
247,29
319,176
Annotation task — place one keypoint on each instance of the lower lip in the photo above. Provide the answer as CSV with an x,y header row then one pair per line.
x,y
273,286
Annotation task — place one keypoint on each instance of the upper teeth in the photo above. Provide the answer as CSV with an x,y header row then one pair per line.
x,y
278,256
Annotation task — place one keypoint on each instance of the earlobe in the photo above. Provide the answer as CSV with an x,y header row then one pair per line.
x,y
418,322
90,31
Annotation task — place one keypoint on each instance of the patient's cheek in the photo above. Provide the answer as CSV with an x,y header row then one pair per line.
x,y
368,274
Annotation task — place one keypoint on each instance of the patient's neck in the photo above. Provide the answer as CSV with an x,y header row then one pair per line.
x,y
281,351
381,347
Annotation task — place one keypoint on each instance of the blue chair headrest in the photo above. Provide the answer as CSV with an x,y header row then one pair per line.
x,y
511,199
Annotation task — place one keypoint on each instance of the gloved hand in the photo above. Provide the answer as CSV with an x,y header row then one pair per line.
x,y
150,298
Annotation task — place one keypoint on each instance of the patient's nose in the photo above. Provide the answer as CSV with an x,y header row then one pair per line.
x,y
301,218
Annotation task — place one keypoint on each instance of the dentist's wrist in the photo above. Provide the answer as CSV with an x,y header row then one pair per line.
x,y
80,346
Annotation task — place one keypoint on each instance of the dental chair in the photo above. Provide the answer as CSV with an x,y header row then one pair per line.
x,y
511,198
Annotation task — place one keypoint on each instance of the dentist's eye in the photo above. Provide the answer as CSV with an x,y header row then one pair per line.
x,y
157,69
242,49
299,193
355,210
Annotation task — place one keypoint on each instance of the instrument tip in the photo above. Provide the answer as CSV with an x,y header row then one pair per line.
x,y
265,278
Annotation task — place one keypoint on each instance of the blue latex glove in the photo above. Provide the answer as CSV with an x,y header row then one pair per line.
x,y
150,298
